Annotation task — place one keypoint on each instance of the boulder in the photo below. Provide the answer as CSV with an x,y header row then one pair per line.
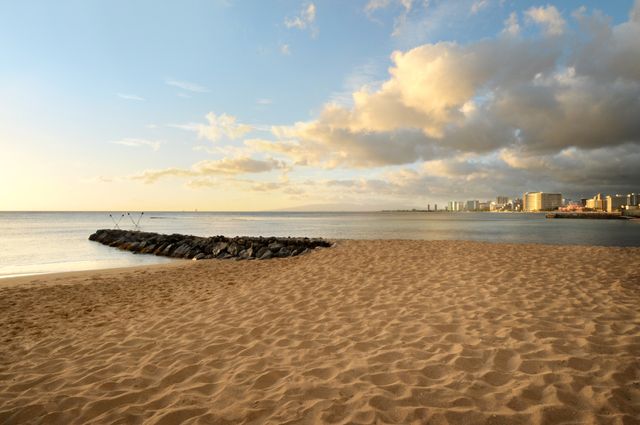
x,y
266,255
261,251
275,246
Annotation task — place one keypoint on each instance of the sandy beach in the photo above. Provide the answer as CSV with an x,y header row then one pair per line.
x,y
366,332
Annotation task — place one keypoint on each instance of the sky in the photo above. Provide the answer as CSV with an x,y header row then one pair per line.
x,y
229,105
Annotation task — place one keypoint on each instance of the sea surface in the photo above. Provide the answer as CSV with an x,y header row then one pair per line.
x,y
49,242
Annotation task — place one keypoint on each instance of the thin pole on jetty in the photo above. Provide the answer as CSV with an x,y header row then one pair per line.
x,y
116,222
136,224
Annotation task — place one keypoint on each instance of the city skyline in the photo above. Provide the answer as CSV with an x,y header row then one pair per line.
x,y
315,105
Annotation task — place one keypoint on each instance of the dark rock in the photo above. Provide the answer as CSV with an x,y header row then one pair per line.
x,y
192,252
160,248
220,247
266,255
261,251
182,246
243,254
167,250
181,250
149,248
275,246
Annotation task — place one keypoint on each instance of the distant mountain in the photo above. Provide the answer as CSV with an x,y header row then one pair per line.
x,y
341,207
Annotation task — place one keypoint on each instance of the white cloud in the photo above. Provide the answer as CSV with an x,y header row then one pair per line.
x,y
217,127
634,15
511,24
264,101
547,16
374,5
406,5
225,166
488,105
305,19
285,49
130,97
188,86
478,5
132,142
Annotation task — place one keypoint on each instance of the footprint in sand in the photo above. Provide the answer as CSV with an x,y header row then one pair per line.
x,y
437,371
268,379
577,363
506,360
496,379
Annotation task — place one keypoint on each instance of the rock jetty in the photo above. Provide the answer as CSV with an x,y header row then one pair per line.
x,y
201,248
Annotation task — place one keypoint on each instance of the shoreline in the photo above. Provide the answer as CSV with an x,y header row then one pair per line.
x,y
10,280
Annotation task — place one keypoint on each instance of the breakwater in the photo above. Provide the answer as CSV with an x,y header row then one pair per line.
x,y
202,248
588,215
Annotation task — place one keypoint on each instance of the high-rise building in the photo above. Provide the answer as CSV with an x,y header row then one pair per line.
x,y
541,201
615,203
597,203
633,199
502,200
472,205
517,204
530,201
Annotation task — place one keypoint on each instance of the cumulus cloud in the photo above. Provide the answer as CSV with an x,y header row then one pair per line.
x,y
444,99
132,142
493,113
225,166
549,17
217,126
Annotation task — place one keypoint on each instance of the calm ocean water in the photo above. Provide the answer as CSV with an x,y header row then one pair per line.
x,y
46,242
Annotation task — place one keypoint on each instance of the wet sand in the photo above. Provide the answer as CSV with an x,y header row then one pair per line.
x,y
364,332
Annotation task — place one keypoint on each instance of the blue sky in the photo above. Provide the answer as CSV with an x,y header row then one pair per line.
x,y
104,105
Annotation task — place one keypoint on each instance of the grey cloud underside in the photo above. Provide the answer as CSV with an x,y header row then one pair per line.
x,y
608,170
569,103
